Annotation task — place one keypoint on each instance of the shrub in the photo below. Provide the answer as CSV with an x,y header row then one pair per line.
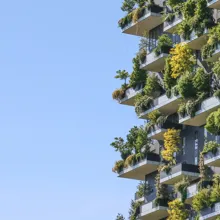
x,y
185,86
119,166
182,109
210,146
164,41
201,81
191,108
215,192
213,39
181,187
130,160
138,76
142,103
171,142
153,87
201,200
177,210
213,123
118,94
216,69
169,81
182,60
134,210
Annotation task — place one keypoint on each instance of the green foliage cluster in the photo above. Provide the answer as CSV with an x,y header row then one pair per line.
x,y
213,39
201,200
181,187
135,148
135,9
193,88
120,217
137,77
164,42
213,123
134,210
152,90
197,17
211,146
208,196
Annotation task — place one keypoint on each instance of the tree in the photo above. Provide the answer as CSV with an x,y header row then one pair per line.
x,y
120,217
122,75
128,5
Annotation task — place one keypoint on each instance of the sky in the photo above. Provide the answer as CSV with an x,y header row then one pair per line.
x,y
57,117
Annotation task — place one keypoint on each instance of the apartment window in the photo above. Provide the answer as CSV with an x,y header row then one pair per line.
x,y
196,148
183,145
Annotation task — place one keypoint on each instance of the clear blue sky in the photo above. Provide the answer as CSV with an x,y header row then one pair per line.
x,y
57,62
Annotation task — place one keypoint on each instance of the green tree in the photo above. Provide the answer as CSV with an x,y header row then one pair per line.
x,y
122,75
120,217
128,5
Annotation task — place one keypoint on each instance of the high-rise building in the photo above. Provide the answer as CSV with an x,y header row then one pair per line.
x,y
175,88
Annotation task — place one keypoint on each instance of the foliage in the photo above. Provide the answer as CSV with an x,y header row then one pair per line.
x,y
213,39
201,200
182,109
118,94
161,190
201,81
215,192
128,5
216,69
121,146
185,86
135,148
171,142
169,81
119,165
120,217
140,189
134,210
164,41
197,17
210,146
217,94
177,210
153,116
181,61
213,123
122,75
181,187
174,3
142,103
138,75
153,87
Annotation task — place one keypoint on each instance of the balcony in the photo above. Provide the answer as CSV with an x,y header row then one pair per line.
x,y
156,63
196,42
165,105
210,213
178,172
130,95
137,198
211,159
150,19
144,167
157,132
214,4
215,56
206,107
170,26
151,211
